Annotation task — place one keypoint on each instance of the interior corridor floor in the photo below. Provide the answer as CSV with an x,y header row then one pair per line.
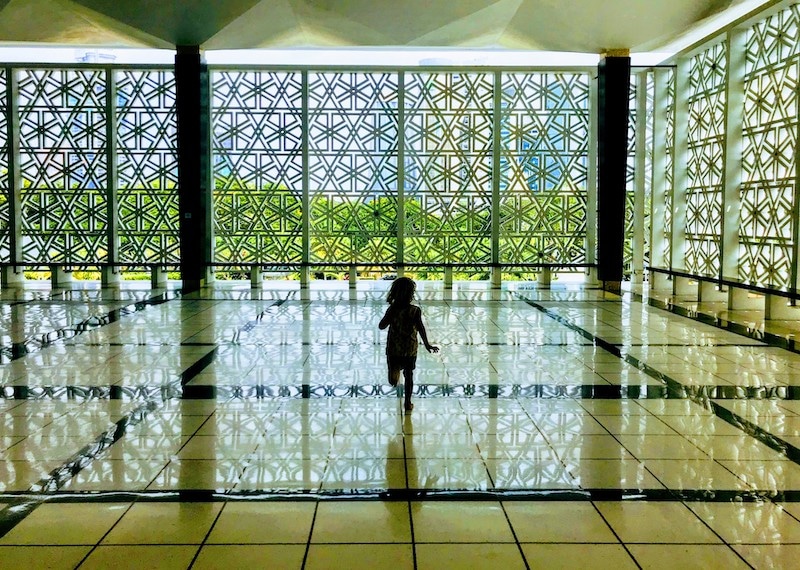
x,y
239,428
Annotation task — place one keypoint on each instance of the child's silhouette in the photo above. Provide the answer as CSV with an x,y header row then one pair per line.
x,y
404,321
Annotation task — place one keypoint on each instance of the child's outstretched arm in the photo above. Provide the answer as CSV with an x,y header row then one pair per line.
x,y
424,334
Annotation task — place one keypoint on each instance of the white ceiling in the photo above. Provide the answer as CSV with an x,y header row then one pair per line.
x,y
587,26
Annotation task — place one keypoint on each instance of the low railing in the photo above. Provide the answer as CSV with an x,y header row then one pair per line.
x,y
777,303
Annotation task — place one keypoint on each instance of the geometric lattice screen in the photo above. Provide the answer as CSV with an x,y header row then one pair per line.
x,y
769,142
349,136
68,188
308,166
352,167
258,166
544,133
147,167
63,165
5,202
764,221
448,182
706,130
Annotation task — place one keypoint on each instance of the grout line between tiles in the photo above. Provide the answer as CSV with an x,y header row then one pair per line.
x,y
676,388
614,532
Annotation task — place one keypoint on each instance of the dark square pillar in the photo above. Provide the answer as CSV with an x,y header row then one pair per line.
x,y
613,83
193,109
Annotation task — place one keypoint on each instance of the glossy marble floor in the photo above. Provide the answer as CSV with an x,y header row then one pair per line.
x,y
240,428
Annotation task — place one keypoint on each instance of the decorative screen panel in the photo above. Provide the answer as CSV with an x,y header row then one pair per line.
x,y
5,197
706,131
543,167
648,163
769,149
63,165
448,167
630,178
258,169
352,134
147,167
670,165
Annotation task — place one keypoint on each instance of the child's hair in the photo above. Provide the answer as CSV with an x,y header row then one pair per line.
x,y
402,291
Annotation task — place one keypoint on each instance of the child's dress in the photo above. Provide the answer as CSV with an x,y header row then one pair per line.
x,y
402,339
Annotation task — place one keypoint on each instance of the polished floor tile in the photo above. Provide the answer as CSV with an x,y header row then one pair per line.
x,y
749,523
667,556
568,556
577,522
656,522
51,557
164,523
222,557
46,524
367,522
360,556
167,557
245,430
263,523
458,521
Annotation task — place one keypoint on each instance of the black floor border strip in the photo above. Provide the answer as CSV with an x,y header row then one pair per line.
x,y
72,466
15,513
44,488
41,341
163,392
29,500
703,398
677,389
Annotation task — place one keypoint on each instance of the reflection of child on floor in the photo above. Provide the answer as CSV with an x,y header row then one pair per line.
x,y
404,321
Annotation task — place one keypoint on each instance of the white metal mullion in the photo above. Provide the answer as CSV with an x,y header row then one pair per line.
x,y
637,271
680,165
112,179
14,178
659,182
305,196
796,197
591,178
732,154
401,167
496,150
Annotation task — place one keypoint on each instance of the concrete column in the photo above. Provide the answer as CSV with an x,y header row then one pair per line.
x,y
710,292
11,276
158,277
497,277
544,278
778,308
193,111
685,287
256,277
110,277
353,277
613,71
60,278
741,300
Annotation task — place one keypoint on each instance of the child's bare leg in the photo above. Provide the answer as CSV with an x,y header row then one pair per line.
x,y
394,376
409,387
